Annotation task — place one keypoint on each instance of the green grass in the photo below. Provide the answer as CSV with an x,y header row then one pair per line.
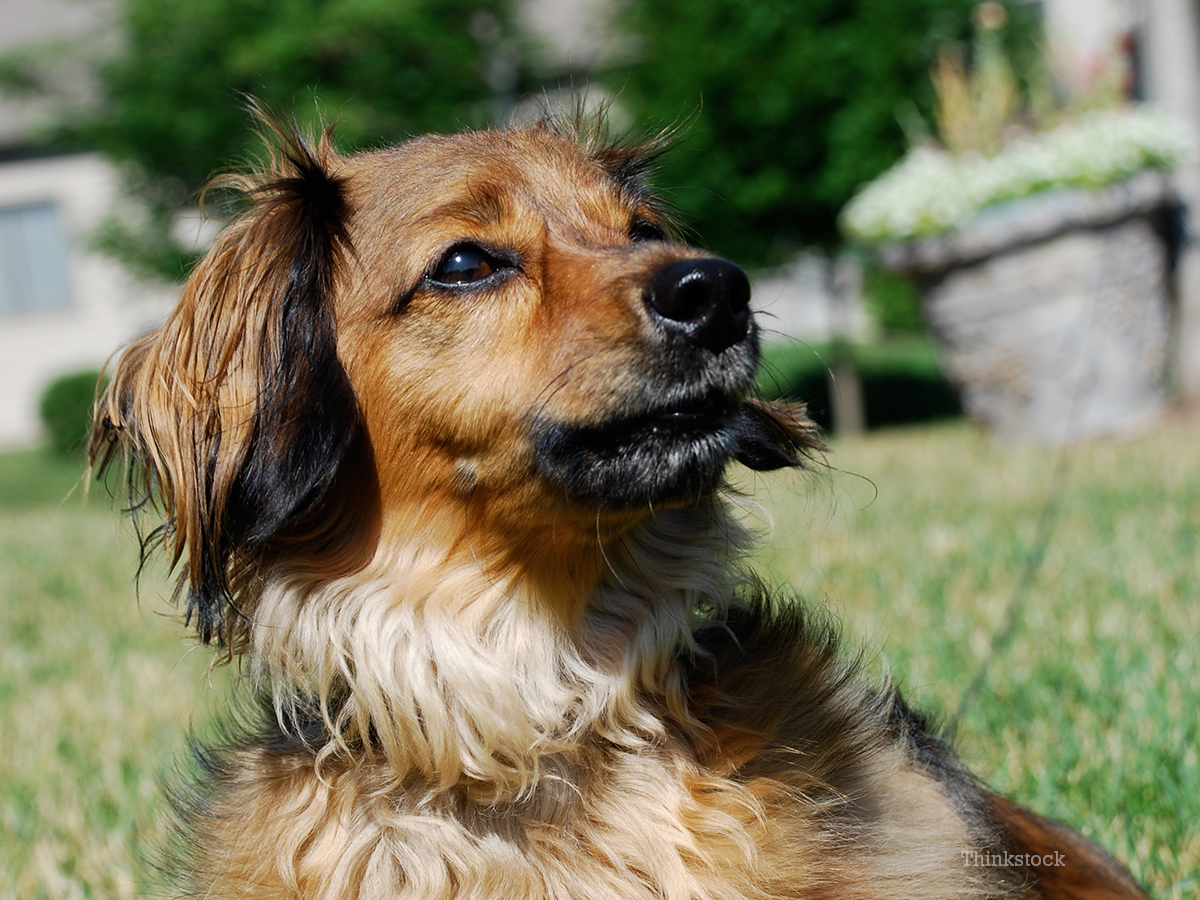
x,y
37,478
96,691
917,541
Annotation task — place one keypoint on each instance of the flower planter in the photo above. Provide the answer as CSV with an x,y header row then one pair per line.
x,y
1053,311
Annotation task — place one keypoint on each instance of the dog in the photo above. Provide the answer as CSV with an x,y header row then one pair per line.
x,y
438,436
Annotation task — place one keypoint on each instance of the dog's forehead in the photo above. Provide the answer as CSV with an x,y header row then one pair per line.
x,y
482,174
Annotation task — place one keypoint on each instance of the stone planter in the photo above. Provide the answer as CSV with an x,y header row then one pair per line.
x,y
1053,312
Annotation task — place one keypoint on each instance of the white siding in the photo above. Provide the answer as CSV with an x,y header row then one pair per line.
x,y
105,305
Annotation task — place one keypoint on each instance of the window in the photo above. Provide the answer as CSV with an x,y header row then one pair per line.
x,y
33,259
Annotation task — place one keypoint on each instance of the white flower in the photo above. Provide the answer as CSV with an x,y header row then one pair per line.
x,y
931,191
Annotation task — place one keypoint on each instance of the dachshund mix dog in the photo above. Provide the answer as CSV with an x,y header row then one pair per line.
x,y
438,434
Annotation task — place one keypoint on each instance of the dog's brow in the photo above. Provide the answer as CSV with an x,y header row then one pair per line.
x,y
484,205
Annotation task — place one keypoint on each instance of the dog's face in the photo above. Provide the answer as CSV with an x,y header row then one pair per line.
x,y
518,324
496,324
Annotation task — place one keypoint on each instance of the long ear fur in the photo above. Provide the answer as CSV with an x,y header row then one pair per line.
x,y
236,413
775,435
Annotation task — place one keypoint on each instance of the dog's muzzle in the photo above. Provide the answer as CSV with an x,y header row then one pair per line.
x,y
677,428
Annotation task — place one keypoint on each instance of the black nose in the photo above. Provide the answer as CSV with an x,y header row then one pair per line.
x,y
706,299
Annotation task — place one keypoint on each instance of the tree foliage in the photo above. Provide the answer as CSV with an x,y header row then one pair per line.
x,y
172,101
382,68
795,105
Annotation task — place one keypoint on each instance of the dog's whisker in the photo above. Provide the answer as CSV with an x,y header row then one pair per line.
x,y
604,553
466,519
555,385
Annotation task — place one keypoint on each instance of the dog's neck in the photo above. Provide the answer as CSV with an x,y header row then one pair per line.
x,y
457,672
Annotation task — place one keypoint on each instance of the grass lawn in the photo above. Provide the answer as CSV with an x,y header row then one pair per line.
x,y
97,689
918,540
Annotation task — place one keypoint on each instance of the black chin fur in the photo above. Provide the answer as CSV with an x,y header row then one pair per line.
x,y
625,464
654,458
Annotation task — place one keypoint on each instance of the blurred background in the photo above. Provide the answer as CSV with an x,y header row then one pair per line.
x,y
114,113
968,226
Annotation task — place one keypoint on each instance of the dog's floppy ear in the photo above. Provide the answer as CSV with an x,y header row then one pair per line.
x,y
775,435
237,413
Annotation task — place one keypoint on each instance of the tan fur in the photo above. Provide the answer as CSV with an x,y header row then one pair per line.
x,y
484,687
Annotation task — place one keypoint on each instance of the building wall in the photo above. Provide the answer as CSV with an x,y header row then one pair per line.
x,y
104,306
1083,36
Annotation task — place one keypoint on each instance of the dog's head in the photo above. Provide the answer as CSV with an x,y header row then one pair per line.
x,y
488,339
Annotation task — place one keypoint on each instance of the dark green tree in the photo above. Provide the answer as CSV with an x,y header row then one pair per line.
x,y
382,68
171,105
795,102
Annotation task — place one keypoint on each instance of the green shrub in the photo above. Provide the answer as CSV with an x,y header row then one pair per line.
x,y
902,380
66,410
893,302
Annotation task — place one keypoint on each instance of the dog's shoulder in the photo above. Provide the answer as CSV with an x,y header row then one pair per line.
x,y
784,703
773,666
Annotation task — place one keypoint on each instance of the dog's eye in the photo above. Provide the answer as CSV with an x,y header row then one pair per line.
x,y
465,264
641,230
